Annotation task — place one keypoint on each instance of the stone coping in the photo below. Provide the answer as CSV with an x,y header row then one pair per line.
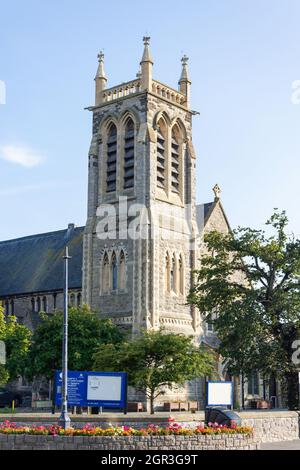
x,y
142,416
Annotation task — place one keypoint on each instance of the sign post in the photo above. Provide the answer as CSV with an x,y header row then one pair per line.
x,y
64,419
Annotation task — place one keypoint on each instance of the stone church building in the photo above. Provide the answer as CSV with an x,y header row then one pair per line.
x,y
133,261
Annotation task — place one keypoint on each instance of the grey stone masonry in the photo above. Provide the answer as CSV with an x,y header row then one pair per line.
x,y
268,426
272,427
195,442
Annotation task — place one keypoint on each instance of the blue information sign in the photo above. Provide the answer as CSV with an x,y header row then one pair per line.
x,y
105,389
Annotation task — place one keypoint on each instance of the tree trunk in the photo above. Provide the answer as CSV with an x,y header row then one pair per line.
x,y
243,390
292,390
152,403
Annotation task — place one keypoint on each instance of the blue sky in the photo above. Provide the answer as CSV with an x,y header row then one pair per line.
x,y
244,58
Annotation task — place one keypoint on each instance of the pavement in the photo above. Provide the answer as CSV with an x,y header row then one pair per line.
x,y
283,445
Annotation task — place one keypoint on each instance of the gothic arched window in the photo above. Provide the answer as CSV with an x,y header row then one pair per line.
x,y
72,300
105,274
111,169
45,304
161,165
32,305
38,304
181,275
167,273
173,274
79,300
129,155
114,272
54,301
175,162
122,271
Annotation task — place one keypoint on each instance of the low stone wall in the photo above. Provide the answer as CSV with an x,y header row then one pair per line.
x,y
217,442
269,426
273,426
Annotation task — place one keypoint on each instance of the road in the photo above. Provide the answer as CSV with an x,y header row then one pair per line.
x,y
283,445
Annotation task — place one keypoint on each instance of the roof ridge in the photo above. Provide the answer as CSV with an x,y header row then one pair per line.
x,y
43,234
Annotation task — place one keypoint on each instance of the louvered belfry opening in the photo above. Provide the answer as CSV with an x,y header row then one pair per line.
x,y
129,155
161,158
111,176
174,163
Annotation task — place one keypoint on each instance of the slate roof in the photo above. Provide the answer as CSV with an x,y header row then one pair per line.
x,y
35,263
202,213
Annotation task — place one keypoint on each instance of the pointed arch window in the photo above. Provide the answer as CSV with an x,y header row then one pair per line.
x,y
167,273
111,172
175,163
181,275
54,301
72,300
105,274
79,300
45,304
129,155
173,274
122,271
114,272
161,155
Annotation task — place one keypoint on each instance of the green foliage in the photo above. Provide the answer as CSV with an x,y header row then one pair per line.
x,y
4,375
17,341
252,281
154,360
86,331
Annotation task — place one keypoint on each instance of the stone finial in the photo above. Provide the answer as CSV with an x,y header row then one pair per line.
x,y
100,79
100,56
147,56
100,71
146,66
184,73
184,81
217,192
139,73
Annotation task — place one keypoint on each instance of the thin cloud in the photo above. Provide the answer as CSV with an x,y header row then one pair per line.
x,y
20,155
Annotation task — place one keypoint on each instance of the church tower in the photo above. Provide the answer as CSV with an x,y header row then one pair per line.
x,y
139,241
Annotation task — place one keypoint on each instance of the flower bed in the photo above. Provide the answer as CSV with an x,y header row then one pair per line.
x,y
171,437
172,428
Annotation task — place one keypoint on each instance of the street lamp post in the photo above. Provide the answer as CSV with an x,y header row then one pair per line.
x,y
64,420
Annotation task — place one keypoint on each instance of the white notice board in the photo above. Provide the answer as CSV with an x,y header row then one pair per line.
x,y
219,394
105,388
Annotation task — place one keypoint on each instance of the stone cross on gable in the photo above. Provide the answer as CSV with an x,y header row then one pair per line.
x,y
217,191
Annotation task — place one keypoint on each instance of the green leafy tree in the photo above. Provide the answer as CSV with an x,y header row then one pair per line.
x,y
17,343
251,278
86,331
155,360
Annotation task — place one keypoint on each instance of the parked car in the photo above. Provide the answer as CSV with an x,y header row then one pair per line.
x,y
7,397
